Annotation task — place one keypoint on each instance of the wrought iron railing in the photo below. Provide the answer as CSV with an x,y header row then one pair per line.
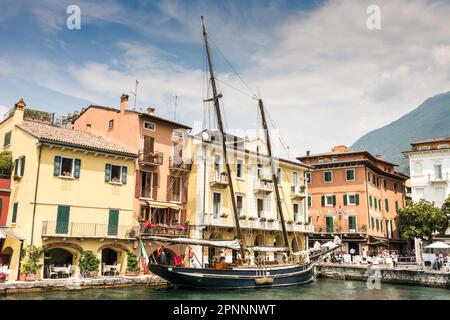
x,y
217,177
156,229
153,158
263,185
179,163
87,230
340,229
298,191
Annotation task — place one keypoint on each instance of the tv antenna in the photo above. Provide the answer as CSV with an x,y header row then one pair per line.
x,y
175,108
135,93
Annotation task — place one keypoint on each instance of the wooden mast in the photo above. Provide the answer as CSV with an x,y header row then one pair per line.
x,y
215,98
274,177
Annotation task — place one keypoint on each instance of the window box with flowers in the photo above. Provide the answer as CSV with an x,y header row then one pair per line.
x,y
224,215
3,277
290,222
252,218
262,219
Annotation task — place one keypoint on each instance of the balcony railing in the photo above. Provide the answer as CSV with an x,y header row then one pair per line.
x,y
174,230
298,191
263,185
433,178
218,179
179,163
360,229
151,158
87,230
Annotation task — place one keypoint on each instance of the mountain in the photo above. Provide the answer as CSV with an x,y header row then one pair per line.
x,y
429,120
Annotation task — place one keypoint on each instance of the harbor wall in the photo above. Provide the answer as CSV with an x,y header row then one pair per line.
x,y
385,275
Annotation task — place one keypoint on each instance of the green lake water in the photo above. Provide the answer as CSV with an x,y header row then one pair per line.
x,y
322,289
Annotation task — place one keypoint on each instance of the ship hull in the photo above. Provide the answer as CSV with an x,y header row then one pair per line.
x,y
235,278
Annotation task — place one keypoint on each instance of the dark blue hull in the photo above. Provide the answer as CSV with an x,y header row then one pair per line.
x,y
236,277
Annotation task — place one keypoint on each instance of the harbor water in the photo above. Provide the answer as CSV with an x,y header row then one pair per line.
x,y
321,289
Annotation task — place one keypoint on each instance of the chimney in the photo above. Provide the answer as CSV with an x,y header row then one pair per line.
x,y
123,102
378,156
308,153
340,148
151,111
20,105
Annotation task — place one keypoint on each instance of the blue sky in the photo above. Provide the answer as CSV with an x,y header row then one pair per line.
x,y
314,62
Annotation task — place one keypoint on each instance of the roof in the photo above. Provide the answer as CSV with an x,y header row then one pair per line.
x,y
143,114
364,152
79,139
434,140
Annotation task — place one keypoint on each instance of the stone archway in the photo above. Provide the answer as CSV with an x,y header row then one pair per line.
x,y
5,256
57,257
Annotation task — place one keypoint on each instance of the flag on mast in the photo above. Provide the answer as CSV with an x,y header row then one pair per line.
x,y
143,256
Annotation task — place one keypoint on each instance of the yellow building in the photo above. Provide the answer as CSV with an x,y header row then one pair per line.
x,y
71,191
209,204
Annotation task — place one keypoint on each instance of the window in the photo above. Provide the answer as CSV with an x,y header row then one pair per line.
x,y
329,224
62,220
328,200
14,213
113,222
418,168
328,177
352,223
294,179
239,204
350,173
19,167
7,139
396,206
217,199
334,159
295,210
374,180
395,187
67,167
150,126
378,182
239,168
438,171
321,160
115,174
385,184
368,176
351,199
386,204
217,166
260,207
308,177
149,185
370,201
372,223
175,187
111,124
381,225
378,224
309,201
178,134
375,202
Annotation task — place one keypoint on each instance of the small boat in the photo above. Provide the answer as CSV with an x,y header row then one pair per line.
x,y
299,267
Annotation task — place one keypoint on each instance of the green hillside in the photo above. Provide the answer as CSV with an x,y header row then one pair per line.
x,y
429,120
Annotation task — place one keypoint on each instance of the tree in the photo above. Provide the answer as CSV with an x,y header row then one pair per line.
x,y
88,262
132,262
446,206
6,163
421,220
32,259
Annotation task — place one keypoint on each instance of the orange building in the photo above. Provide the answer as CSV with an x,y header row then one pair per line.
x,y
162,166
354,195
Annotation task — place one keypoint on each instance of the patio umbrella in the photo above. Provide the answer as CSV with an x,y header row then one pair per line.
x,y
438,245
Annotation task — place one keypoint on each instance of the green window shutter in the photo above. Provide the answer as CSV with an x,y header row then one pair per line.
x,y
357,198
368,176
323,201
379,204
381,225
386,204
14,215
372,222
334,200
376,203
352,222
113,222
384,184
309,201
378,224
124,174
395,187
329,224
107,172
22,166
16,166
77,168
345,199
370,201
57,166
62,220
396,205
350,174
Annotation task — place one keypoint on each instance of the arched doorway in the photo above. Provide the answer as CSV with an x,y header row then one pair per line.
x,y
55,258
109,258
5,257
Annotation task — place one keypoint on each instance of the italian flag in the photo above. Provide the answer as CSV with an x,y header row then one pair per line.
x,y
143,256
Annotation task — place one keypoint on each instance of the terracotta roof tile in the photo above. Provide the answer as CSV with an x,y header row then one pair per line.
x,y
84,140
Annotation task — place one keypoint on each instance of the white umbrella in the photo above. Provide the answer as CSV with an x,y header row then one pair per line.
x,y
438,245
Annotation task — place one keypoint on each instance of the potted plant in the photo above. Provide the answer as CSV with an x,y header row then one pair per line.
x,y
299,222
270,220
242,217
252,218
224,215
89,264
31,263
262,219
3,277
132,264
290,222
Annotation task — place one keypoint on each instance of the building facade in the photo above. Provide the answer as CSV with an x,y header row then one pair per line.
x,y
70,191
162,167
429,165
210,209
356,196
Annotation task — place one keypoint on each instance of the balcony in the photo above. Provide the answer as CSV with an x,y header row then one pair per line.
x,y
154,158
159,229
87,230
180,164
263,185
298,192
345,229
442,178
218,180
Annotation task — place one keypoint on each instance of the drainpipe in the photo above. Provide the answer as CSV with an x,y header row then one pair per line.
x,y
35,192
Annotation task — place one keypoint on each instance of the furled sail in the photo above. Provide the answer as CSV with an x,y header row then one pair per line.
x,y
231,244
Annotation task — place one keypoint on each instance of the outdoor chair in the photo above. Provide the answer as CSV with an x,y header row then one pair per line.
x,y
68,271
117,270
51,272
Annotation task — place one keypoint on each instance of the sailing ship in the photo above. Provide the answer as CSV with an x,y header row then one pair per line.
x,y
249,272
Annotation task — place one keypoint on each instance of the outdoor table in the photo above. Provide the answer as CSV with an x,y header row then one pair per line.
x,y
60,270
110,269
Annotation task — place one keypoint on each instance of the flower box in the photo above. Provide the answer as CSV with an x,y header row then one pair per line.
x,y
299,222
32,277
251,218
262,219
290,222
243,217
224,215
132,273
271,220
90,274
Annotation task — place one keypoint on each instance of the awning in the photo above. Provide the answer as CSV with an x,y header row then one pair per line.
x,y
9,232
164,205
